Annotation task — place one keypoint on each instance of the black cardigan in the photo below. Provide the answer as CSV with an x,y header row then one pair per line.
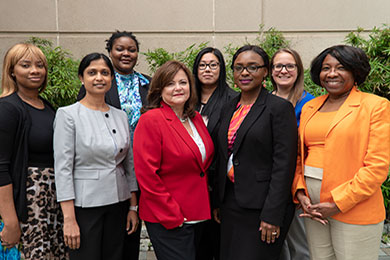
x,y
15,124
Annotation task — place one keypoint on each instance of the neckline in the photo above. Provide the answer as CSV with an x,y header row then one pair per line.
x,y
96,110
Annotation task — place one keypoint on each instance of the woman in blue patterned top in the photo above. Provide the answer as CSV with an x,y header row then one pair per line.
x,y
128,92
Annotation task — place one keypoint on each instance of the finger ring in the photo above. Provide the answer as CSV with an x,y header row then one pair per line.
x,y
274,233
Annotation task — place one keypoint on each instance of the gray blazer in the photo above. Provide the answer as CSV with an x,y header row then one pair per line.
x,y
93,159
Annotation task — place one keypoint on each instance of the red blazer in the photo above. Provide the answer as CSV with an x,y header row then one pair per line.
x,y
169,168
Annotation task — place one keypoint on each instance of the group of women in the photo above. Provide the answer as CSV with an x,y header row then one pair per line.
x,y
218,171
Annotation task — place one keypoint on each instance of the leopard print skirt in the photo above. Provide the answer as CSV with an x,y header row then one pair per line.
x,y
42,234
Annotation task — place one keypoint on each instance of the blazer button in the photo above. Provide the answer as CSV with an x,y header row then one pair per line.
x,y
202,174
236,162
114,131
107,115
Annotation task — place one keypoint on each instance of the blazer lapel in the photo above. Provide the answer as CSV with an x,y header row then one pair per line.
x,y
224,127
182,132
349,105
112,96
256,110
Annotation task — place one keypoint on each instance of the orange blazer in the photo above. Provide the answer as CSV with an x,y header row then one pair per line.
x,y
356,160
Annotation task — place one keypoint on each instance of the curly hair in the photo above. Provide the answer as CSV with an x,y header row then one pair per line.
x,y
119,34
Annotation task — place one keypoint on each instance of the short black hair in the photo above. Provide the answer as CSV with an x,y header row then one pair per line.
x,y
353,59
255,49
118,34
86,61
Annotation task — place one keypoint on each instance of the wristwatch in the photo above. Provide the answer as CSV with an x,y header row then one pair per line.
x,y
134,208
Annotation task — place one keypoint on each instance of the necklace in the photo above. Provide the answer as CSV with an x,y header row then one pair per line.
x,y
183,120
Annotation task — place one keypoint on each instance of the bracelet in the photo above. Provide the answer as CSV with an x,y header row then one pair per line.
x,y
134,208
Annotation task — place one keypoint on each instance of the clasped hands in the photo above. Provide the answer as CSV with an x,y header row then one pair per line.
x,y
318,212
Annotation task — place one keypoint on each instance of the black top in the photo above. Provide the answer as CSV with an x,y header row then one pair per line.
x,y
40,139
15,125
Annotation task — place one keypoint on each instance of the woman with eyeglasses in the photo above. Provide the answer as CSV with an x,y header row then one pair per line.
x,y
213,92
257,146
287,76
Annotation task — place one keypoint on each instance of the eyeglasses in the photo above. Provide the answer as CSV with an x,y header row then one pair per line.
x,y
249,68
211,65
289,67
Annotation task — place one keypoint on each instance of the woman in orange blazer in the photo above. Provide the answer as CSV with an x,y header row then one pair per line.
x,y
344,159
172,151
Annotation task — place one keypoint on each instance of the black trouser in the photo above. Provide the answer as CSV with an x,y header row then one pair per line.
x,y
102,232
173,244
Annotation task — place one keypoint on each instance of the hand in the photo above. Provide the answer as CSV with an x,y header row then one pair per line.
x,y
217,216
181,225
269,232
132,222
10,235
71,234
308,212
326,209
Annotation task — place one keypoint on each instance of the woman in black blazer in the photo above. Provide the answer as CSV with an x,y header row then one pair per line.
x,y
257,146
128,92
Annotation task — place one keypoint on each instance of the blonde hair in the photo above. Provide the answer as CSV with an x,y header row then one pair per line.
x,y
297,90
12,57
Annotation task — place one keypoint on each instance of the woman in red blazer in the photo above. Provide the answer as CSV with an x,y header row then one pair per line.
x,y
172,151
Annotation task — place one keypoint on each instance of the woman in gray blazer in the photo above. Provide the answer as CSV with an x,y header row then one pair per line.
x,y
95,175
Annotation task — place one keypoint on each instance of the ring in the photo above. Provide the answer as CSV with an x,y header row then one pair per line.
x,y
274,233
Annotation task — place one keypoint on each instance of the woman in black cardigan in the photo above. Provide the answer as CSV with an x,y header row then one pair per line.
x,y
28,206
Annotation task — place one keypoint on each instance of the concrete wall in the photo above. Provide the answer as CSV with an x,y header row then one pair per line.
x,y
81,26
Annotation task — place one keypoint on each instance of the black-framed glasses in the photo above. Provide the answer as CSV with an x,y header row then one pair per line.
x,y
249,68
289,67
211,65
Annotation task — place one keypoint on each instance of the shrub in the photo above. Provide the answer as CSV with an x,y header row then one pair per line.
x,y
377,48
159,56
63,84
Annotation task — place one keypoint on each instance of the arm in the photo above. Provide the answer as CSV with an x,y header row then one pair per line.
x,y
148,152
284,161
71,228
9,121
128,164
64,152
375,166
10,234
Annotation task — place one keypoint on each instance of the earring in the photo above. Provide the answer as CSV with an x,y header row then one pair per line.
x,y
13,75
264,83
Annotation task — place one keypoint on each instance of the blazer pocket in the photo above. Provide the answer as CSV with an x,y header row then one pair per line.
x,y
263,175
86,174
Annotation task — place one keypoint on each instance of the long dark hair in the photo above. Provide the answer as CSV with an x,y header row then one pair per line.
x,y
222,86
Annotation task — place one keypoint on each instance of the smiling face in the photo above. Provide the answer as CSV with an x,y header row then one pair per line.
x,y
97,78
209,76
124,55
284,79
245,80
177,92
335,78
29,72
